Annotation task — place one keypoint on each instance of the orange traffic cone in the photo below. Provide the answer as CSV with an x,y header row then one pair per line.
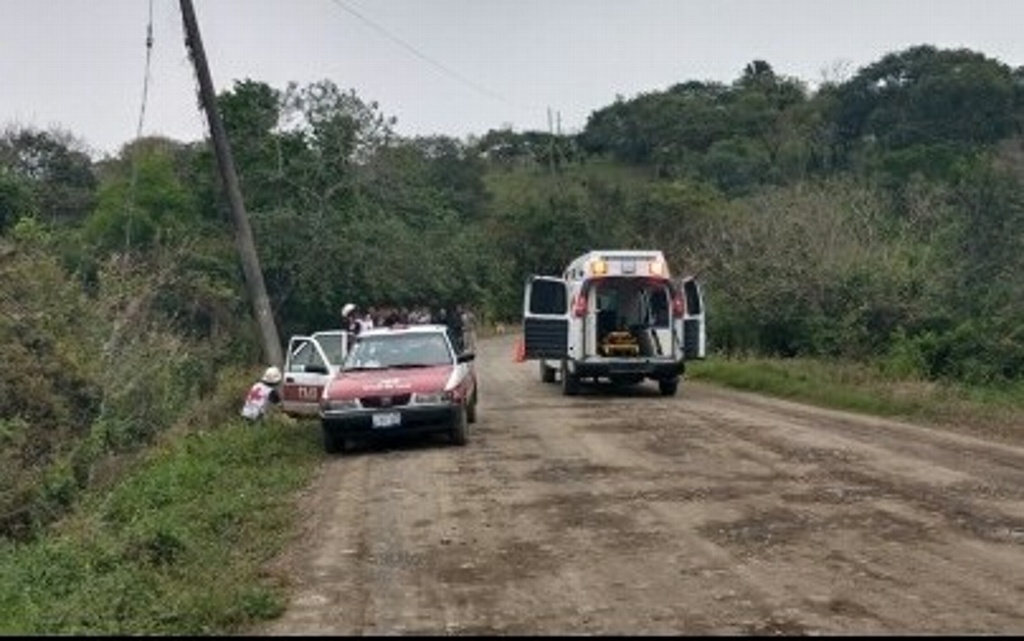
x,y
520,352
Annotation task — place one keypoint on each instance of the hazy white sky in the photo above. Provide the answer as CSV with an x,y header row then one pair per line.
x,y
454,67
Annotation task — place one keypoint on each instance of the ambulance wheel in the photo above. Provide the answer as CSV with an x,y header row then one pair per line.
x,y
570,381
547,374
668,386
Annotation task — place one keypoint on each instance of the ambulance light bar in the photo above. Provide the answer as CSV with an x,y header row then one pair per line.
x,y
601,267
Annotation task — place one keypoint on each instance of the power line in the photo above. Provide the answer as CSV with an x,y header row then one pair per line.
x,y
146,75
422,56
138,130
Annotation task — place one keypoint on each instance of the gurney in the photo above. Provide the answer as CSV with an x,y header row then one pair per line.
x,y
619,344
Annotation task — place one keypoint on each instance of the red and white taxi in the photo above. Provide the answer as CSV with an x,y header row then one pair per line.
x,y
399,380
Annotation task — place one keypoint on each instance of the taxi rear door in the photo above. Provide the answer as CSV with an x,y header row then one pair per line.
x,y
307,370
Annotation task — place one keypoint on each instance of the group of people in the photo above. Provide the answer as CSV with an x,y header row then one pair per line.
x,y
459,320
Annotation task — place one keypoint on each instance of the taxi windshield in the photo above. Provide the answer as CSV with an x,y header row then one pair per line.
x,y
381,351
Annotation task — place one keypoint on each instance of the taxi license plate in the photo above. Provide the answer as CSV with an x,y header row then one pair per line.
x,y
387,419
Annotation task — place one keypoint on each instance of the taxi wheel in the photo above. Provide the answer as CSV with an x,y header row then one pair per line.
x,y
333,443
471,409
458,431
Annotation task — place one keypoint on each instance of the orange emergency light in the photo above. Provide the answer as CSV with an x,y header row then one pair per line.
x,y
657,268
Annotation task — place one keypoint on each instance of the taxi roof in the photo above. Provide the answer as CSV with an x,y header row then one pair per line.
x,y
427,328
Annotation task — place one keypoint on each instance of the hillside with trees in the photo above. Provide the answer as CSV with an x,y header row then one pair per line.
x,y
878,219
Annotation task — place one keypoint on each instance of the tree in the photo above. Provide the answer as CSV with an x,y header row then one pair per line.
x,y
16,199
765,108
143,204
924,95
252,112
55,170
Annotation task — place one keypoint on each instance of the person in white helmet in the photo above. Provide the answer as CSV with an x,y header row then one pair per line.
x,y
262,395
350,319
353,320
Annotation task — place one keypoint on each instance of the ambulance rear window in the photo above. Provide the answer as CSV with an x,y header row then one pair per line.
x,y
548,297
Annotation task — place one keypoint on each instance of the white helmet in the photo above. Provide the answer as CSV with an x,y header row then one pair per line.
x,y
347,309
272,376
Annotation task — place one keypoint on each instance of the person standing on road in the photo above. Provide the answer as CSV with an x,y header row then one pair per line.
x,y
453,319
262,395
468,326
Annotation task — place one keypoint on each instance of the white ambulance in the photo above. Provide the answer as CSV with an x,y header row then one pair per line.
x,y
616,315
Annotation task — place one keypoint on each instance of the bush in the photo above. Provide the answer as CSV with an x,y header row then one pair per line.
x,y
87,376
973,352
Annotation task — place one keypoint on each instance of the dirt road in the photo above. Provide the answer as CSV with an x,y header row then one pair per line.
x,y
711,512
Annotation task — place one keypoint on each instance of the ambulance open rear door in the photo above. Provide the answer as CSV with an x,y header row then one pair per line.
x,y
694,331
546,318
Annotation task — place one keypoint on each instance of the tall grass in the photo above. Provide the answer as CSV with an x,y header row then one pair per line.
x,y
867,389
178,546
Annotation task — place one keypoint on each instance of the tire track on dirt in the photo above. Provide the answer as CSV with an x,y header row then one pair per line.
x,y
627,512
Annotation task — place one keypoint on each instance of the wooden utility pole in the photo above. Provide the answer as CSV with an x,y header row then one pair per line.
x,y
243,232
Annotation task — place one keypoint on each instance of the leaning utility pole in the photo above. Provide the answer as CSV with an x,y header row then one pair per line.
x,y
243,232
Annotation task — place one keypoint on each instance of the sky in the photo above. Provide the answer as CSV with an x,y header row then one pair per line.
x,y
448,67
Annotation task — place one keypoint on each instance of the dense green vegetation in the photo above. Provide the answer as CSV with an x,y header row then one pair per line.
x,y
876,221
181,545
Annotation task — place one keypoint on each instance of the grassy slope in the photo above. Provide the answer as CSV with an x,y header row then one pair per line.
x,y
178,546
859,388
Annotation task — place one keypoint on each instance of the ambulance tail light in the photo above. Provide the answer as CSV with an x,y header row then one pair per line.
x,y
678,305
579,305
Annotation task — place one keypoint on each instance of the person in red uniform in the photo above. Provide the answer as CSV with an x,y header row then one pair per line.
x,y
262,395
